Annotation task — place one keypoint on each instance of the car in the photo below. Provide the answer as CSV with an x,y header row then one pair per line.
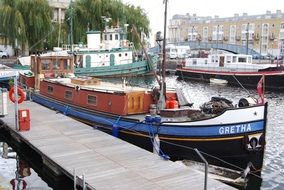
x,y
3,54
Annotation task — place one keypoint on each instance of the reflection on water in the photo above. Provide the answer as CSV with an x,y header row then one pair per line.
x,y
15,172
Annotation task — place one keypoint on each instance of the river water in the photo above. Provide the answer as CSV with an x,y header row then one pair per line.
x,y
273,170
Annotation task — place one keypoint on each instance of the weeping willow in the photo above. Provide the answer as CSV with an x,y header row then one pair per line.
x,y
25,22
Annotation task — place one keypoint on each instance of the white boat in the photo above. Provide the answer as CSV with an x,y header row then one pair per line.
x,y
235,68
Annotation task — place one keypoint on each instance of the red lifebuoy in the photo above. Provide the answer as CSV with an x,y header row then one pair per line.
x,y
21,95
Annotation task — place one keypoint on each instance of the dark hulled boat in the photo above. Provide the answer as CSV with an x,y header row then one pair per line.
x,y
235,69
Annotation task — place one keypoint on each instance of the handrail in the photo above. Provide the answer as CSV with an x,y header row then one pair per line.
x,y
206,167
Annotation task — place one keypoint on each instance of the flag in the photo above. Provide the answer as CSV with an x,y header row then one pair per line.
x,y
260,90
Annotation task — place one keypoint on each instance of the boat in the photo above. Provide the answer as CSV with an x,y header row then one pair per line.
x,y
237,69
159,119
111,56
218,81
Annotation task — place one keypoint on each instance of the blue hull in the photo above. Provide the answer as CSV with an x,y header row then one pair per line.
x,y
227,142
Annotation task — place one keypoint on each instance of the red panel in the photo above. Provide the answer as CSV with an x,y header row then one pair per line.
x,y
109,103
24,119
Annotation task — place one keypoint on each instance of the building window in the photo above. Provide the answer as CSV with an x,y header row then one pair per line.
x,y
68,95
92,100
205,34
116,36
217,32
110,37
265,29
50,89
232,39
105,37
282,26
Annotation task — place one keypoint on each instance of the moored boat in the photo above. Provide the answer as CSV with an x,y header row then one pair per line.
x,y
111,56
235,135
237,69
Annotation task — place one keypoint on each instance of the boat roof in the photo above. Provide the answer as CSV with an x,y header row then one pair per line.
x,y
6,72
101,86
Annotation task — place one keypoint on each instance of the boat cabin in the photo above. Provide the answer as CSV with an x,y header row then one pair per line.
x,y
47,66
104,49
221,60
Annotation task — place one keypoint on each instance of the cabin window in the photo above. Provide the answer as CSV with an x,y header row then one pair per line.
x,y
206,62
92,100
68,95
116,36
194,61
229,59
242,60
212,59
49,89
45,65
67,65
56,64
249,59
234,59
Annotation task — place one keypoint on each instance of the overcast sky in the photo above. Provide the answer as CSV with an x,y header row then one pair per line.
x,y
223,8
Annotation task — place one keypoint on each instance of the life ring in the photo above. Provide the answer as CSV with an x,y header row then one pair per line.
x,y
20,92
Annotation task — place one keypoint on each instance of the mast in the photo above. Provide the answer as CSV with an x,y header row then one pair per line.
x,y
161,104
71,26
164,45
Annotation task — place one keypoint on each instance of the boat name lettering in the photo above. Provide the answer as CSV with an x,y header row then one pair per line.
x,y
235,129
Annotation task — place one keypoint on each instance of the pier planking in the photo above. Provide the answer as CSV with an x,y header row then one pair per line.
x,y
105,161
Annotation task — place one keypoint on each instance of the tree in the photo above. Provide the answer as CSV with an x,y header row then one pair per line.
x,y
87,15
12,24
37,18
25,22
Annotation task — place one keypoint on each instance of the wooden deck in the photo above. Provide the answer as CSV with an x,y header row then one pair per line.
x,y
105,161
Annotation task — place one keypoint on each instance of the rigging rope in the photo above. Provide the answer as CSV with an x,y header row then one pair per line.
x,y
241,85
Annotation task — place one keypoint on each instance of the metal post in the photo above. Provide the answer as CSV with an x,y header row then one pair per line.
x,y
16,99
206,167
217,41
247,38
84,183
75,179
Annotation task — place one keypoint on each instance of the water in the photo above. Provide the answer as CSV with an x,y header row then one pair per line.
x,y
273,170
10,167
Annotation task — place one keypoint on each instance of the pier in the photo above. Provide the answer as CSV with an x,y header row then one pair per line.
x,y
98,160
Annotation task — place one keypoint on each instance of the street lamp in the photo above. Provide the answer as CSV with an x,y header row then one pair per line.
x,y
247,37
217,41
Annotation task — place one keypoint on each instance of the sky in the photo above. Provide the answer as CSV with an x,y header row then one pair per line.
x,y
222,8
